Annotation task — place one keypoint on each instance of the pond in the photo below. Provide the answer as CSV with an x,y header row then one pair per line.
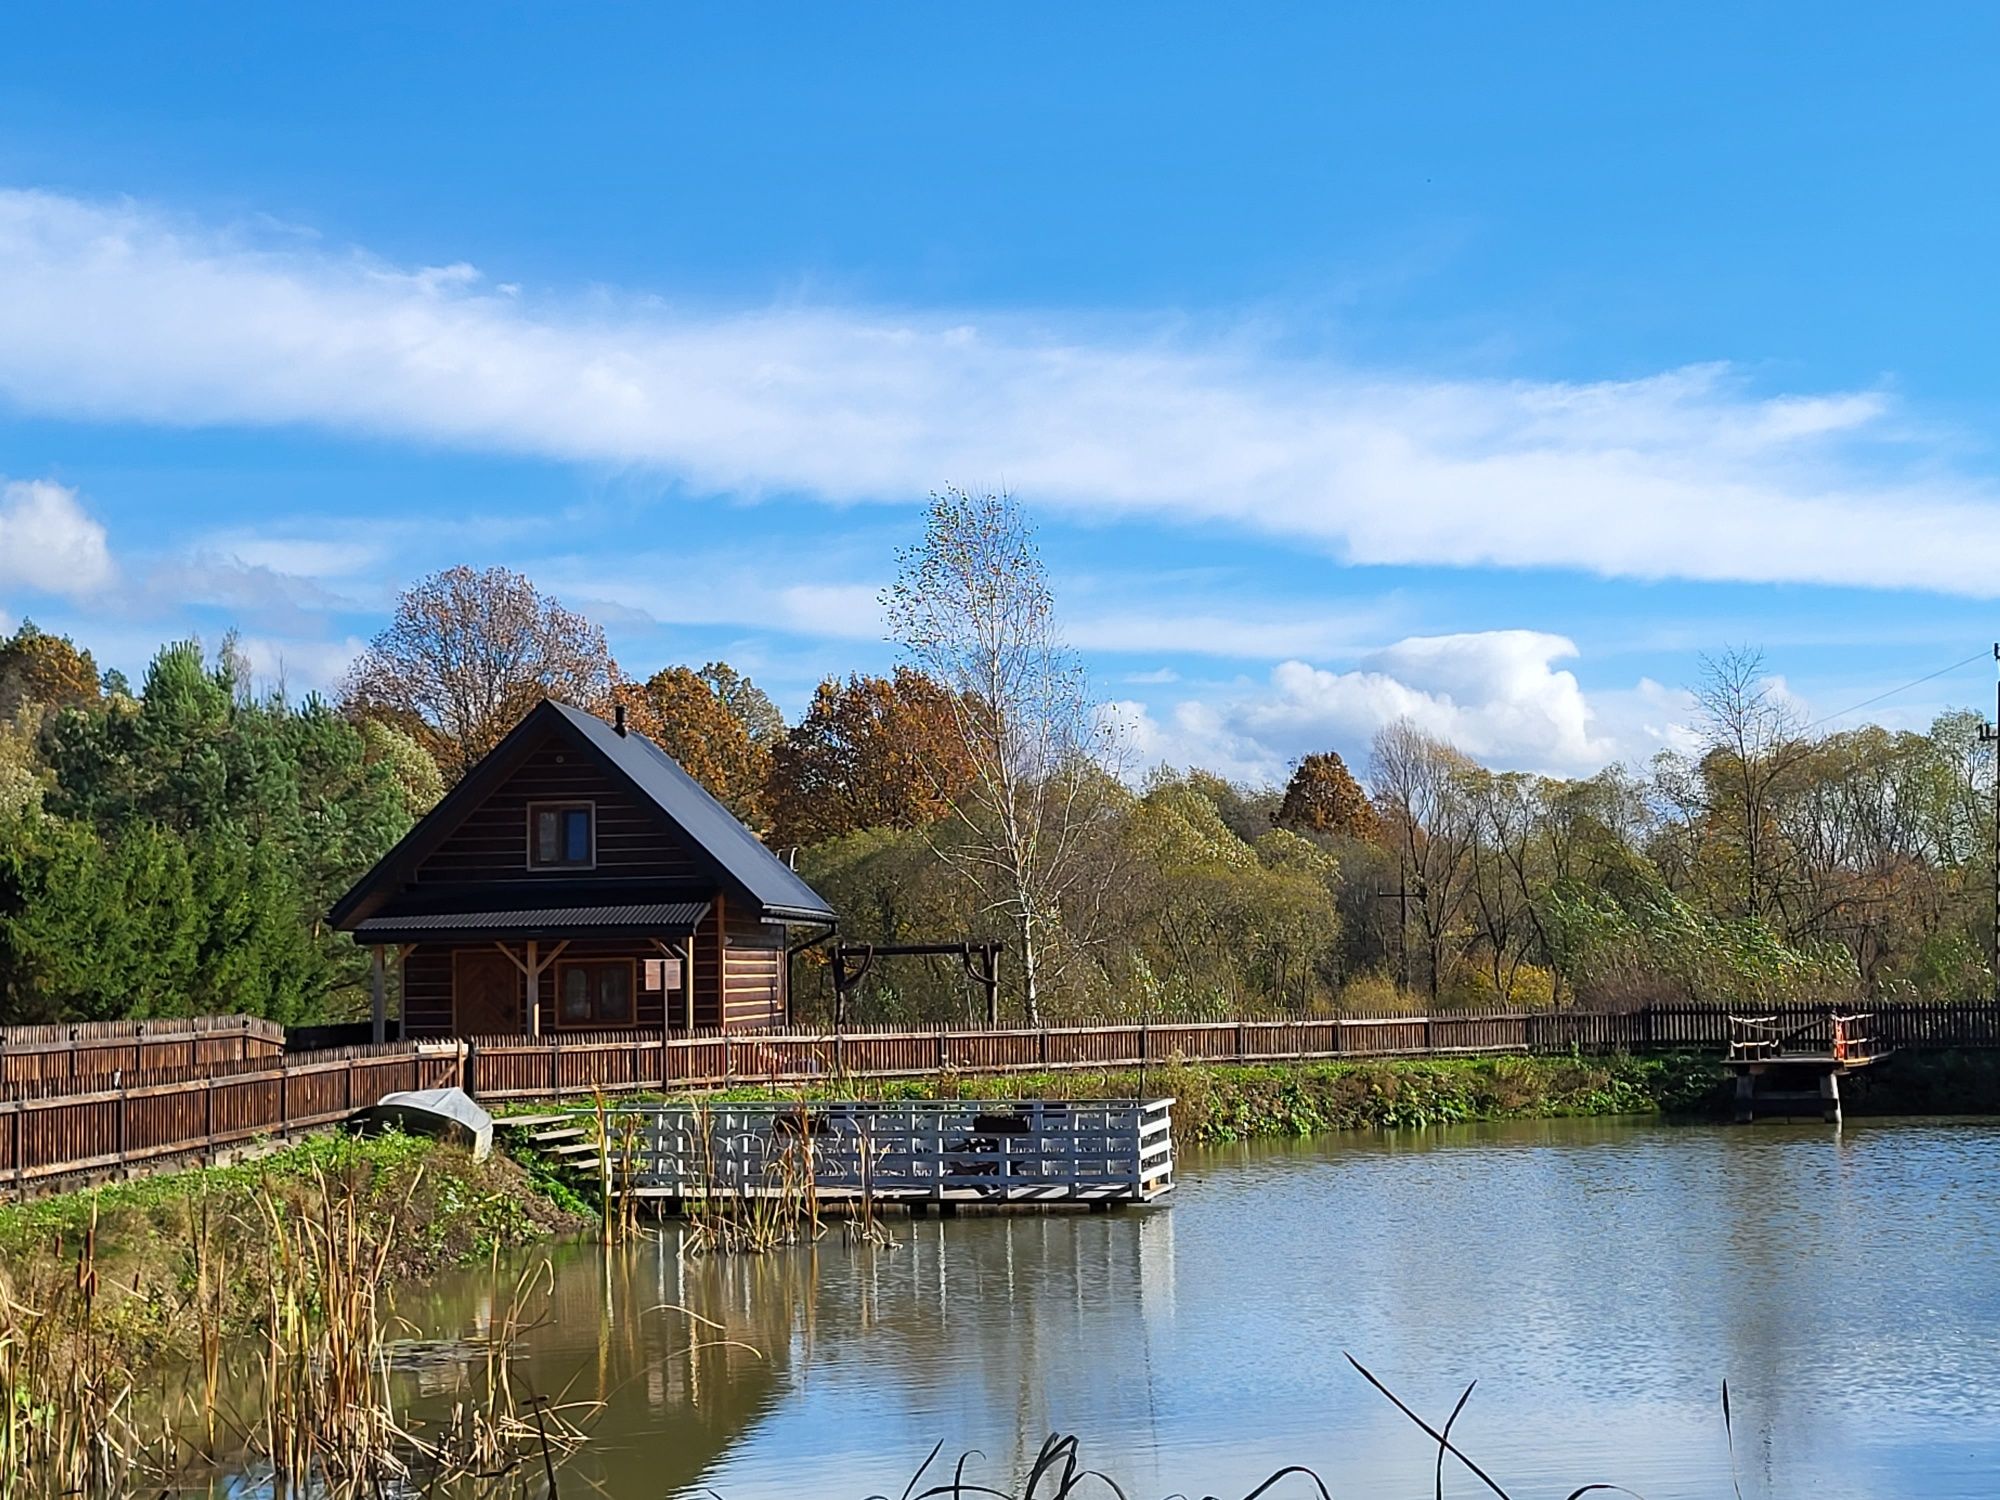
x,y
1598,1279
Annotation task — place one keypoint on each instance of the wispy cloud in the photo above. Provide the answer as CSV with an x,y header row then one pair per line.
x,y
118,311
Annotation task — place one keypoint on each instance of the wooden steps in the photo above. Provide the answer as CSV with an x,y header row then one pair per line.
x,y
528,1122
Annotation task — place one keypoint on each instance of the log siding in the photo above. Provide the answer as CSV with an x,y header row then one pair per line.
x,y
628,838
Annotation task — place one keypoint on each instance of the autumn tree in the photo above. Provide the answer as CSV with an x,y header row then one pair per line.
x,y
1729,798
871,752
751,705
1421,792
972,608
680,710
43,669
465,657
1324,797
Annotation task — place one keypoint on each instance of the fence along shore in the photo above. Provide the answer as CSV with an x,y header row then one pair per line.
x,y
69,1104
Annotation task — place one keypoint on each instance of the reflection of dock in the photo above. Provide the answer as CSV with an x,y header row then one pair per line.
x,y
918,1153
1797,1070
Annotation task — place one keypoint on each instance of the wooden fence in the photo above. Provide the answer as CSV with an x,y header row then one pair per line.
x,y
99,1049
514,1067
212,1082
51,1130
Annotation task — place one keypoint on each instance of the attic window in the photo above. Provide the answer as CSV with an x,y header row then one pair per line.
x,y
561,836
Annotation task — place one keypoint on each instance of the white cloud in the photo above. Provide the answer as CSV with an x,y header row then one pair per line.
x,y
298,556
299,665
713,588
115,311
49,542
254,590
1497,695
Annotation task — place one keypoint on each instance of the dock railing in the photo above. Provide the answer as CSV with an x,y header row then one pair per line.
x,y
905,1150
70,1104
1847,1038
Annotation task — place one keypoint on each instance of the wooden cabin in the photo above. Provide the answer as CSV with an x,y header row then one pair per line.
x,y
578,879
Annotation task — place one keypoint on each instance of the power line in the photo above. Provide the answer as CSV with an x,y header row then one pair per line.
x,y
1916,682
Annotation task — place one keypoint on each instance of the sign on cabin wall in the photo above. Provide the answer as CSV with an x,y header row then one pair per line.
x,y
662,974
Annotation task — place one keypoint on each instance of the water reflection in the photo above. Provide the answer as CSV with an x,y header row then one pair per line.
x,y
1599,1279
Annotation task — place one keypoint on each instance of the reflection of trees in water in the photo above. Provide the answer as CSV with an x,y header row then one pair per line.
x,y
676,1390
973,1328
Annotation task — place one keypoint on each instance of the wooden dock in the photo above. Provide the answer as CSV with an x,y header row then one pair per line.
x,y
916,1153
1786,1069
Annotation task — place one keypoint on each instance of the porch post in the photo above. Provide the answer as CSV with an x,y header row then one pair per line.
x,y
687,979
378,1003
403,990
534,991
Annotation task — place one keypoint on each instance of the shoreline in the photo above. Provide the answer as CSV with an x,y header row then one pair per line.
x,y
444,1211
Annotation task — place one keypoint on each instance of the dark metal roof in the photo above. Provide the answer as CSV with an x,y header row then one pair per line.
x,y
711,826
731,851
653,919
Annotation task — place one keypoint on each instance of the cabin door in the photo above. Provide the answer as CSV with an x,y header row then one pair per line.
x,y
485,993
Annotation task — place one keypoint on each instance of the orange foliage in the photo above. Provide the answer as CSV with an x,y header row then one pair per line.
x,y
872,752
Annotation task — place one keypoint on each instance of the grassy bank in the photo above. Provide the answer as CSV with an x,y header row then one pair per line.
x,y
156,1247
1217,1104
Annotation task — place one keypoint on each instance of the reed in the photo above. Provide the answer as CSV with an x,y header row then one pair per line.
x,y
318,1414
1058,1471
728,1212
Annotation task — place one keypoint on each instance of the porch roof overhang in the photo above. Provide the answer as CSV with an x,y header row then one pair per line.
x,y
659,919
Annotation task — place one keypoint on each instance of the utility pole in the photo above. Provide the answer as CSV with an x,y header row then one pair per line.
x,y
1401,896
1990,733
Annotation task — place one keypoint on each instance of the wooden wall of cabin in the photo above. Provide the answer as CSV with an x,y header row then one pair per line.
x,y
632,839
754,971
753,961
427,985
739,969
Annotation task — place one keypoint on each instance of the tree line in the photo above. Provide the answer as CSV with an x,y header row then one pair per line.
x,y
172,847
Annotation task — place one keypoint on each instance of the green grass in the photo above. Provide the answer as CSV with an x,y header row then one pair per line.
x,y
1219,1103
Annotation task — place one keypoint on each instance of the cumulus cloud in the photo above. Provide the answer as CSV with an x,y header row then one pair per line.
x,y
118,311
1498,695
49,542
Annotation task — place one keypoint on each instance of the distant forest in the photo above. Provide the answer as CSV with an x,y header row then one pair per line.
x,y
171,847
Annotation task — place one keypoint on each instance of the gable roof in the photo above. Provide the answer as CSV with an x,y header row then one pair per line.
x,y
710,829
707,823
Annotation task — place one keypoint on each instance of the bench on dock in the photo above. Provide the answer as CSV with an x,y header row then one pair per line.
x,y
1029,1152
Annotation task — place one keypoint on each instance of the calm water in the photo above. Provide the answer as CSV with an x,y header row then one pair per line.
x,y
1599,1280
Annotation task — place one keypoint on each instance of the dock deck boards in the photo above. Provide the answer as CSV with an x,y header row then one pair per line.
x,y
1003,1152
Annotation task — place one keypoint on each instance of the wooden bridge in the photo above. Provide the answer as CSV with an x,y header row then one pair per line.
x,y
1775,1058
918,1153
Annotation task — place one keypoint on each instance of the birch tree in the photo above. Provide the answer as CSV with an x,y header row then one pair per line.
x,y
972,609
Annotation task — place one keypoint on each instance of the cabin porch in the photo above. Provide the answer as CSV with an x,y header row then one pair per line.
x,y
670,968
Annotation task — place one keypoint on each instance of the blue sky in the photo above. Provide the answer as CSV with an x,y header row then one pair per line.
x,y
1481,364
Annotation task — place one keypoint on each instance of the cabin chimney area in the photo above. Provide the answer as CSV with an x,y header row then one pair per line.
x,y
618,720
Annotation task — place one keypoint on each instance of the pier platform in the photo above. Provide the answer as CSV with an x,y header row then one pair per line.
x,y
1030,1153
1797,1070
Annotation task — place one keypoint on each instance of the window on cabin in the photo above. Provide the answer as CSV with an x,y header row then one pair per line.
x,y
594,994
560,836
